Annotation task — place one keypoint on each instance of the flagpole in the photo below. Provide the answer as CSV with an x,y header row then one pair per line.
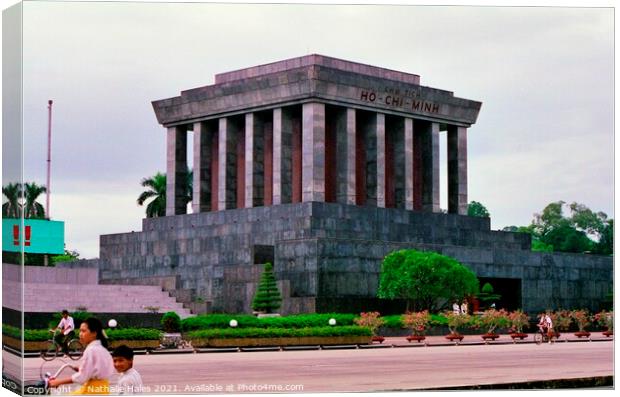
x,y
49,158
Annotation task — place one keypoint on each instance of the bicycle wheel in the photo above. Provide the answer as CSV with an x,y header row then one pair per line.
x,y
538,338
51,352
75,349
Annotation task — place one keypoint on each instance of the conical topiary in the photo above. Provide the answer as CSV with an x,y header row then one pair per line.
x,y
267,298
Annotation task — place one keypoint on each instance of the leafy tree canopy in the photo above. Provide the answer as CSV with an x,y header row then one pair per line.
x,y
582,230
427,280
477,209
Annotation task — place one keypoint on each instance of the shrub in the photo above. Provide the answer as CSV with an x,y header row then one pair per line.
x,y
132,334
492,319
370,320
418,322
171,322
581,318
455,321
11,331
279,332
221,321
518,320
267,298
561,320
393,321
426,280
605,319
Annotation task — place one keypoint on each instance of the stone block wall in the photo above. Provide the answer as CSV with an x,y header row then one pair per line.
x,y
328,255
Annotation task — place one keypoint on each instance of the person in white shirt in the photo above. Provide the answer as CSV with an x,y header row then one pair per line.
x,y
66,327
456,309
97,365
464,309
130,381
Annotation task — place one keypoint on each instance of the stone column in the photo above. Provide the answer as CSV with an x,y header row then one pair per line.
x,y
226,189
201,199
430,167
250,119
313,152
282,156
457,170
409,164
380,126
346,153
176,170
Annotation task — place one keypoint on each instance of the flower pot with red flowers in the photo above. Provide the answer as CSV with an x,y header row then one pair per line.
x,y
582,318
373,321
456,321
605,319
418,323
491,320
561,322
518,320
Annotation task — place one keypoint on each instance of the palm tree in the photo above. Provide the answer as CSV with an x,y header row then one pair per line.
x,y
33,209
157,189
12,208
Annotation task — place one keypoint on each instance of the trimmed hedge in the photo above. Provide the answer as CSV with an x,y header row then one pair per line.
x,y
30,335
278,332
40,335
133,334
221,321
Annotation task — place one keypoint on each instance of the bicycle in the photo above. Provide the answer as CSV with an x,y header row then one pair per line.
x,y
43,386
544,337
74,349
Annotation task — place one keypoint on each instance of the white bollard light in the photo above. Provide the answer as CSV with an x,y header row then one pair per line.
x,y
332,321
112,323
233,323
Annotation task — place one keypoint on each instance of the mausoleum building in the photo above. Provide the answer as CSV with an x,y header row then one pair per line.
x,y
324,166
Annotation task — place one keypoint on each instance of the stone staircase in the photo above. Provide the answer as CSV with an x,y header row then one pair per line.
x,y
96,298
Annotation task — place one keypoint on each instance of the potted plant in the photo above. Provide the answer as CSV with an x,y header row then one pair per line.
x,y
455,321
605,319
582,318
561,321
373,321
492,319
417,322
518,320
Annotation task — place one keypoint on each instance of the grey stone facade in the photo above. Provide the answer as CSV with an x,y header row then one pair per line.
x,y
327,256
325,166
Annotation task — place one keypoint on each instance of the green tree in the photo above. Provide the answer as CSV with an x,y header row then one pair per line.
x,y
171,322
426,280
32,208
157,191
582,231
12,208
267,298
477,209
605,245
487,295
68,256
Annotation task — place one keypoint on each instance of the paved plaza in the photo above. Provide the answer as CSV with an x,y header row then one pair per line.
x,y
365,369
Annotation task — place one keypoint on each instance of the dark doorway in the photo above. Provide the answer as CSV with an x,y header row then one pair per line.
x,y
508,288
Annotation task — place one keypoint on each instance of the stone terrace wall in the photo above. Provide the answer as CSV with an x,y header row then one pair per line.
x,y
348,271
201,249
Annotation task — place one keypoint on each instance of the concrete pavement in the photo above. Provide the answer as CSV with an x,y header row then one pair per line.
x,y
368,369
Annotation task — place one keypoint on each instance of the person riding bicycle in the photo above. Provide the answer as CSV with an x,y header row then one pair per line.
x,y
66,327
545,325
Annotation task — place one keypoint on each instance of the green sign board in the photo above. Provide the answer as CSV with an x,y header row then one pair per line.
x,y
36,236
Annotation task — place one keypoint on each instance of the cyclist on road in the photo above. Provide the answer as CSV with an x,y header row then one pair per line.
x,y
66,327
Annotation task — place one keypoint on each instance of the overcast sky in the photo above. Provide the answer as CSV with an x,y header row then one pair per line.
x,y
544,76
